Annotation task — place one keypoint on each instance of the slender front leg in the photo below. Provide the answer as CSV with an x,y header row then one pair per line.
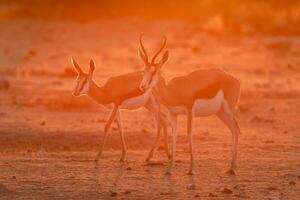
x,y
107,129
165,125
190,120
124,149
174,135
158,129
236,138
161,123
154,145
160,119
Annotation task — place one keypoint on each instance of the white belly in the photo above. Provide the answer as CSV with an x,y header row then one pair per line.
x,y
202,107
136,102
205,107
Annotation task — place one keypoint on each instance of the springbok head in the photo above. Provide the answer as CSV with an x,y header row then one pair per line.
x,y
151,69
83,80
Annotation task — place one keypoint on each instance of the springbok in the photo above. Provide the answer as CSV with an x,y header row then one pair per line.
x,y
201,93
121,92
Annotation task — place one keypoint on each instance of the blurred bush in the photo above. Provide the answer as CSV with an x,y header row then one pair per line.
x,y
267,16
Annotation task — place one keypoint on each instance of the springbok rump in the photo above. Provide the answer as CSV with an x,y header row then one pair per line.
x,y
201,93
120,92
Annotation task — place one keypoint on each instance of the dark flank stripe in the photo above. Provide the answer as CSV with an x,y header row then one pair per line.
x,y
134,93
118,89
208,92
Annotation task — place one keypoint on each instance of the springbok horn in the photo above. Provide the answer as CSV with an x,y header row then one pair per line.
x,y
143,48
163,46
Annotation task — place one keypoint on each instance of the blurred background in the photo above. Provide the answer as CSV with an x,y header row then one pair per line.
x,y
248,16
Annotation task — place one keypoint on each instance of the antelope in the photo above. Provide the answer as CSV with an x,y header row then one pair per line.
x,y
201,93
120,92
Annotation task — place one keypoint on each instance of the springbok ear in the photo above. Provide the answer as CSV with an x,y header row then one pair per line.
x,y
76,66
164,59
142,56
92,67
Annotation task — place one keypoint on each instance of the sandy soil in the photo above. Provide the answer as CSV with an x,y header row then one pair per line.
x,y
48,139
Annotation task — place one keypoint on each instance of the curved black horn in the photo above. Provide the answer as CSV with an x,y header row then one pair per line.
x,y
163,46
143,48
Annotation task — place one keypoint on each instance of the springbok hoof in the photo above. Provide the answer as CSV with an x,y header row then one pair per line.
x,y
169,157
230,172
191,172
168,172
147,160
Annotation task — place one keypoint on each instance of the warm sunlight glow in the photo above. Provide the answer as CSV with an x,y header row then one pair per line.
x,y
169,99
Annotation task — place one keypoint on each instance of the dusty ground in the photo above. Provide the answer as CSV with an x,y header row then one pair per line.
x,y
48,139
